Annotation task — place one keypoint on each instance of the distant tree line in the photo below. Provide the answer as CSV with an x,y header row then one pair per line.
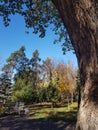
x,y
33,80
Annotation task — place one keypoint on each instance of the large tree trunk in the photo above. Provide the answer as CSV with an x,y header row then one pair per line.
x,y
80,17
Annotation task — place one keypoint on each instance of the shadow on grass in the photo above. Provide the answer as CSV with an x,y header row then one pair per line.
x,y
58,113
57,116
22,123
53,119
64,116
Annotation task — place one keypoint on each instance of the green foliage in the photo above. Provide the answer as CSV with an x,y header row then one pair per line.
x,y
36,82
30,95
17,61
35,69
5,87
42,95
53,94
32,11
49,94
23,91
38,15
18,93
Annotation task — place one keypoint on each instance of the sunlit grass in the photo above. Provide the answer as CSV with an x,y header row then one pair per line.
x,y
60,112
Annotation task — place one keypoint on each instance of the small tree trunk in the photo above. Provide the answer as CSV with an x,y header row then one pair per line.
x,y
68,102
80,17
72,96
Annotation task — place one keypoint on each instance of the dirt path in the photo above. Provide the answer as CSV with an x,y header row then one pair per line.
x,y
22,123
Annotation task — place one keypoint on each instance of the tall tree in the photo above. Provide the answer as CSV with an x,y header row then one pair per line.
x,y
5,87
48,69
71,75
61,70
35,69
17,61
66,83
80,17
81,20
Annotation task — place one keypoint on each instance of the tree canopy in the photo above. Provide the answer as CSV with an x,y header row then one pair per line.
x,y
35,81
38,15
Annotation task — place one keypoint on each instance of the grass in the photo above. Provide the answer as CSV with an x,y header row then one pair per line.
x,y
46,112
60,112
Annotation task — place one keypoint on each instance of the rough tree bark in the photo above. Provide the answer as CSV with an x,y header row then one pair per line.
x,y
80,17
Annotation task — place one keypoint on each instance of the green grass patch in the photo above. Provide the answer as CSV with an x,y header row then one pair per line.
x,y
60,112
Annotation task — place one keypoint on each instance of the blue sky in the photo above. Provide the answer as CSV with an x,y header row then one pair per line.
x,y
14,36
